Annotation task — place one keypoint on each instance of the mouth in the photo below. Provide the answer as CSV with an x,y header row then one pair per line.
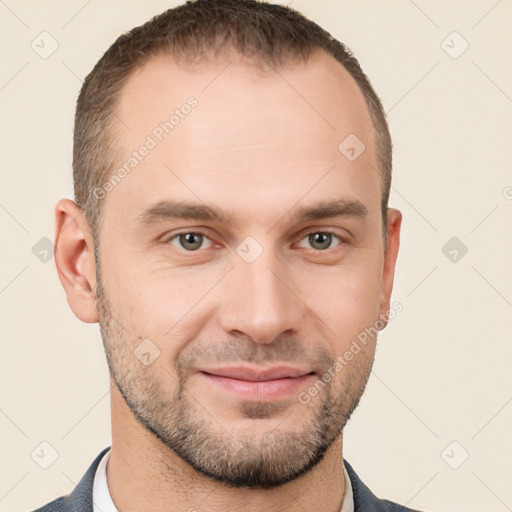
x,y
257,384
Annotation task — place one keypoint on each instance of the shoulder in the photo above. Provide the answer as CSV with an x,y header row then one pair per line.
x,y
54,506
366,501
80,500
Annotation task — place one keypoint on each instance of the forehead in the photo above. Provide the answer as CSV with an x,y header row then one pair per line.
x,y
320,93
226,125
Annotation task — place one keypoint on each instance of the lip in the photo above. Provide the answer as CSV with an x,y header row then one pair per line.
x,y
257,384
257,374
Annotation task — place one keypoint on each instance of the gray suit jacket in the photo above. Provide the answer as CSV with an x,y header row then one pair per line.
x,y
80,500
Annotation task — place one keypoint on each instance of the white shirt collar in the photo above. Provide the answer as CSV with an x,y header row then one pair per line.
x,y
103,501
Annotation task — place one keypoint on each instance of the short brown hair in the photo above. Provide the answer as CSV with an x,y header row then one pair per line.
x,y
201,29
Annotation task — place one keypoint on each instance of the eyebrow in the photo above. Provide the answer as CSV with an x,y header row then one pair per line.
x,y
328,209
164,210
167,210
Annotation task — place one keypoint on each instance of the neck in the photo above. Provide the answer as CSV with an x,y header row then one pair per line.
x,y
145,475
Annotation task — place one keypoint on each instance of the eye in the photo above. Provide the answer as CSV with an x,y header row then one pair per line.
x,y
190,241
320,240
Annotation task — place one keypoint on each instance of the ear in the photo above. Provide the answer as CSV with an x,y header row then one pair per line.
x,y
74,258
390,256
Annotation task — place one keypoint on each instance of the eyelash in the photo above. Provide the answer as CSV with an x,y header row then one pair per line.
x,y
305,235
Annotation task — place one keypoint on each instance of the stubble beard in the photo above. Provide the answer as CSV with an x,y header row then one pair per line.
x,y
239,459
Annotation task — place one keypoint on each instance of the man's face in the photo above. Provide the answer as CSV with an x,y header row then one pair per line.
x,y
191,323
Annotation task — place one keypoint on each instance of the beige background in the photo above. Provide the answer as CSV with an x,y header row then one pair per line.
x,y
442,371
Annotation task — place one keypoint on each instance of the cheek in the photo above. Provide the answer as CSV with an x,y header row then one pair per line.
x,y
347,297
165,305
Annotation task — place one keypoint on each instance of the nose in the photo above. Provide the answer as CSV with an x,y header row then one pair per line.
x,y
260,300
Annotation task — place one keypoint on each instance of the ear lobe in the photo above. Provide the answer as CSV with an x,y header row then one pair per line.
x,y
74,258
390,256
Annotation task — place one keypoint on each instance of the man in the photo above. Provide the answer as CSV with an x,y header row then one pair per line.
x,y
231,235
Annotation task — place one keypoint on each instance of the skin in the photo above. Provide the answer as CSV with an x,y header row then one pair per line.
x,y
259,149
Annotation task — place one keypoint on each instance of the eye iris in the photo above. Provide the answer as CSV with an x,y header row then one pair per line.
x,y
193,239
322,239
